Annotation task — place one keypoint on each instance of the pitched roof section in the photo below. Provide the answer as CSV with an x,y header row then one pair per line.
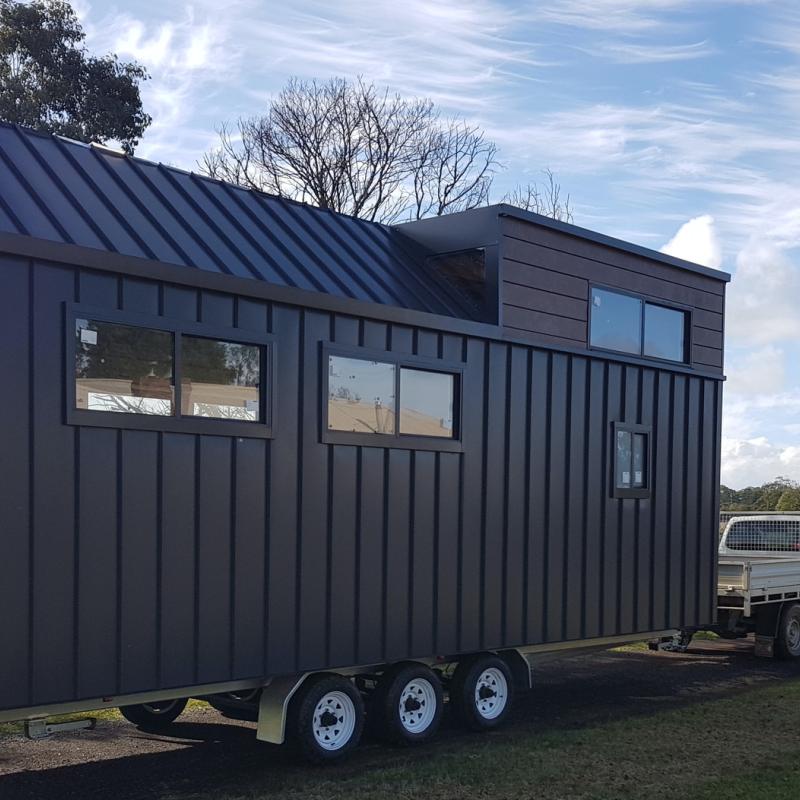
x,y
64,191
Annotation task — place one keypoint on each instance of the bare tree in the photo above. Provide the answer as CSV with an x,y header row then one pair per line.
x,y
359,150
545,199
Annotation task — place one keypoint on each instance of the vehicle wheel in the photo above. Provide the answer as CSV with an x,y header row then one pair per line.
x,y
236,705
482,691
787,644
407,704
325,719
154,716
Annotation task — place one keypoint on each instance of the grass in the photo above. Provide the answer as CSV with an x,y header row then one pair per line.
x,y
705,752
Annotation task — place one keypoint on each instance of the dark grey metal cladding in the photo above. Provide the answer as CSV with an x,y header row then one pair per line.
x,y
55,189
546,274
133,560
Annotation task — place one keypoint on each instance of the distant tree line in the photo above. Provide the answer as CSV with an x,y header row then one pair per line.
x,y
781,494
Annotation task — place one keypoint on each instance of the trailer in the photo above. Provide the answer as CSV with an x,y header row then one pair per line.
x,y
322,470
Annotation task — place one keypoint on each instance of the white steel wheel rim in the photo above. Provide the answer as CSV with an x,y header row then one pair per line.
x,y
491,693
334,720
793,634
417,705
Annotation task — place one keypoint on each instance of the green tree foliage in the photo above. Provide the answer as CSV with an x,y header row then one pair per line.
x,y
782,494
48,81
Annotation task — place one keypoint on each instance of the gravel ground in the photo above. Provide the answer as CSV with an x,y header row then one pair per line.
x,y
118,761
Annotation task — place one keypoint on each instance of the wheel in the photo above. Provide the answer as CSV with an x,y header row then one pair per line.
x,y
406,707
482,691
325,718
154,716
235,705
787,644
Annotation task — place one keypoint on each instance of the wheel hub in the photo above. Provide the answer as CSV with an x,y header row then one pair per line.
x,y
417,706
491,693
334,720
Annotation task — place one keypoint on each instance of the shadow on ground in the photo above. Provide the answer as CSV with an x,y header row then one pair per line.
x,y
203,750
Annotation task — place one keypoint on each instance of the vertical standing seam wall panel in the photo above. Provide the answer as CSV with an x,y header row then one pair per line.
x,y
146,559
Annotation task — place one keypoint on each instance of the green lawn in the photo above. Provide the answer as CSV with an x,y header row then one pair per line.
x,y
722,749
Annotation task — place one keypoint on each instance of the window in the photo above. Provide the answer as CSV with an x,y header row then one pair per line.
x,y
664,332
773,535
220,379
361,395
629,324
616,321
171,378
391,403
123,369
631,460
426,402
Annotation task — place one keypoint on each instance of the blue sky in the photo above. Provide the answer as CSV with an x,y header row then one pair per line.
x,y
672,123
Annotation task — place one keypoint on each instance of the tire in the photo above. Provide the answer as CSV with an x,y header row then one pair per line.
x,y
482,692
234,705
787,643
406,706
325,719
154,716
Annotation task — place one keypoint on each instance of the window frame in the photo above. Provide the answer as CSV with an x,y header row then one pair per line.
x,y
175,423
639,492
644,300
397,440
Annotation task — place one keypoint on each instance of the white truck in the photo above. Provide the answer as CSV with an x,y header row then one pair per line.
x,y
758,583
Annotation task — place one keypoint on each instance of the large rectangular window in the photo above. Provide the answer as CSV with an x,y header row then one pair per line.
x,y
390,403
628,324
172,374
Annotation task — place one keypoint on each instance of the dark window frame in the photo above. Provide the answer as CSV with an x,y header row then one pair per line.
x,y
644,301
176,423
639,492
397,440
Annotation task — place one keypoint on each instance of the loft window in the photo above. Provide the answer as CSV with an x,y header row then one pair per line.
x,y
631,454
629,324
128,374
390,403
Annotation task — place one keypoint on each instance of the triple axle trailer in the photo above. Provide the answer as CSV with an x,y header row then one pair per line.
x,y
299,462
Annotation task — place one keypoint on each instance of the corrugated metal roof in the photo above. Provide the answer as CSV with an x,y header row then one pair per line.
x,y
56,189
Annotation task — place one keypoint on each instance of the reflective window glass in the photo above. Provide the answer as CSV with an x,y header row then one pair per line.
x,y
664,332
220,379
426,402
616,321
361,395
623,461
124,369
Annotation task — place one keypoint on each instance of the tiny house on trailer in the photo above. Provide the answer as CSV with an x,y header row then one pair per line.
x,y
272,455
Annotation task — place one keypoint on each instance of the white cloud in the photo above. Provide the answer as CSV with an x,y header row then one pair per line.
x,y
753,462
696,240
764,297
756,372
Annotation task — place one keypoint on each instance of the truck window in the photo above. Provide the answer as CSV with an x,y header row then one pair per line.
x,y
777,535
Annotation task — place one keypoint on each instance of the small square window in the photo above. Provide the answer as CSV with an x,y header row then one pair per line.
x,y
361,395
631,461
220,379
123,369
426,402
